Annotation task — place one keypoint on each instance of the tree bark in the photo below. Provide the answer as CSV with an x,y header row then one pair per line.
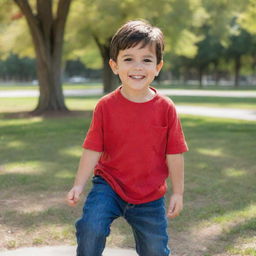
x,y
237,70
200,74
47,34
216,73
110,80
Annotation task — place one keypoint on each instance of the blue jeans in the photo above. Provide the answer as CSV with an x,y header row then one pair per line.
x,y
103,205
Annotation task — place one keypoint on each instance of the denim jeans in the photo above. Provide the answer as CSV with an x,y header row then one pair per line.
x,y
103,205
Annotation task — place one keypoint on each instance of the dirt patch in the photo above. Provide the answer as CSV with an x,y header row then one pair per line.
x,y
44,219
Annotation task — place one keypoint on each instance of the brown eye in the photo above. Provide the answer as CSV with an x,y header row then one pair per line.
x,y
128,59
148,60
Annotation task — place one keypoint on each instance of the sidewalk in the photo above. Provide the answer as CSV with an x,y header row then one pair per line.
x,y
168,92
62,251
233,113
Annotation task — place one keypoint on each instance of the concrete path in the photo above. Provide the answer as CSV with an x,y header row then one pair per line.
x,y
233,113
62,251
208,93
168,92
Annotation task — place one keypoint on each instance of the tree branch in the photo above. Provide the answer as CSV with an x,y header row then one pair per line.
x,y
59,25
45,16
33,24
100,46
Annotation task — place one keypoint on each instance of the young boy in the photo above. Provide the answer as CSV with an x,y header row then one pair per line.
x,y
134,143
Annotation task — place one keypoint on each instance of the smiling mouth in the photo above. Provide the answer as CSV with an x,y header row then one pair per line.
x,y
137,77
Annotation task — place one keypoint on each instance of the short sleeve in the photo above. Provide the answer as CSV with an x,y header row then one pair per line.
x,y
94,136
176,143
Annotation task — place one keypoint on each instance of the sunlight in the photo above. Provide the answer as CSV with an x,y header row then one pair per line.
x,y
231,172
72,151
64,174
236,215
15,144
210,152
23,167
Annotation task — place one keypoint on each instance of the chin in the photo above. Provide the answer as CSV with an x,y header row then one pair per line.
x,y
139,87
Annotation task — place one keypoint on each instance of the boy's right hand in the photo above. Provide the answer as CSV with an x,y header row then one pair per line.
x,y
73,195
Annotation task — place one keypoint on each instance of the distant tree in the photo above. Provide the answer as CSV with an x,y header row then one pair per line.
x,y
98,20
241,44
75,68
19,69
247,18
209,52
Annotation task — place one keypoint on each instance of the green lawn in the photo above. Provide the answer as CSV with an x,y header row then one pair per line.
x,y
88,102
15,87
38,161
78,103
216,102
157,85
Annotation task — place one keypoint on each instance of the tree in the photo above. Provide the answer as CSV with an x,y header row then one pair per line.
x,y
47,31
99,19
240,44
209,52
16,68
247,18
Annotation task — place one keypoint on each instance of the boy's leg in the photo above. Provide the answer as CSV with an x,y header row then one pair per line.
x,y
149,224
99,211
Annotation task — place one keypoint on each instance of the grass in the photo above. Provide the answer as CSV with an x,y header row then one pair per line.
x,y
39,157
88,102
216,102
208,87
157,85
15,87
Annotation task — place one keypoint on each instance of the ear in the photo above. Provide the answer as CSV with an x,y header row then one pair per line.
x,y
113,66
159,67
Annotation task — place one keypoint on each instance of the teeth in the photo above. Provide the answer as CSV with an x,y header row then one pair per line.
x,y
137,77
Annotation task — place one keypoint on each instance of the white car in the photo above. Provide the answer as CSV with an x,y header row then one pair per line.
x,y
77,79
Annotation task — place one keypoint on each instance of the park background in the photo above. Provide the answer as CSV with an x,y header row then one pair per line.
x,y
48,48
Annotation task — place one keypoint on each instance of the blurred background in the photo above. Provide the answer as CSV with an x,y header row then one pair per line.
x,y
54,68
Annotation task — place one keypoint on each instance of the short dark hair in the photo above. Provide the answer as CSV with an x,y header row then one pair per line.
x,y
134,32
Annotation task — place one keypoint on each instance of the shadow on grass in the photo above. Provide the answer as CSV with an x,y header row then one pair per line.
x,y
220,167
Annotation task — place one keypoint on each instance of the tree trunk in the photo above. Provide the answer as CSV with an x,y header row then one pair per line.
x,y
51,95
47,34
110,80
237,70
216,73
200,74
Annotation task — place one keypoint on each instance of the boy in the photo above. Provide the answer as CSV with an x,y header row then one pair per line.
x,y
134,143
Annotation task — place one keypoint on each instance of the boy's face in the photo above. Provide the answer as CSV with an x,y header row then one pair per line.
x,y
136,67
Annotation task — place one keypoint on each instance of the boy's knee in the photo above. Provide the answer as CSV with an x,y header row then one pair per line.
x,y
91,228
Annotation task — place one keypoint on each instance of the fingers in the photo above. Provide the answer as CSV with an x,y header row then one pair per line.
x,y
76,196
72,197
173,212
175,207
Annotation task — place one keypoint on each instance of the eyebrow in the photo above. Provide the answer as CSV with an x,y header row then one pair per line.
x,y
144,56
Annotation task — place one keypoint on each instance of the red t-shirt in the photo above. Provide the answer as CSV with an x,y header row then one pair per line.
x,y
135,138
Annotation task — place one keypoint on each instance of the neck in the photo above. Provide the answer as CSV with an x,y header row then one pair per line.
x,y
138,96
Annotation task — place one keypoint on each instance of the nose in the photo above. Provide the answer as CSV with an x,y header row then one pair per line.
x,y
138,65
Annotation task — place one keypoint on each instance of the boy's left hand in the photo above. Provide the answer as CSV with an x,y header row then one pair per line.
x,y
176,206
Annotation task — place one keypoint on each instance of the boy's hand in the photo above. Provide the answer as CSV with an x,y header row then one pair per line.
x,y
176,206
73,195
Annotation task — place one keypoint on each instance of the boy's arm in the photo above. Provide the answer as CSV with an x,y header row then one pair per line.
x,y
175,165
88,161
